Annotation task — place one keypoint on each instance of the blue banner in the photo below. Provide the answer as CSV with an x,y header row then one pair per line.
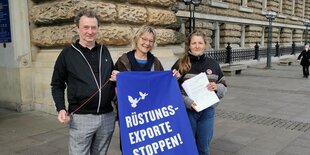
x,y
5,29
152,115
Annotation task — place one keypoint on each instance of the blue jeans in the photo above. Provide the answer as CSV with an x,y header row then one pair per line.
x,y
91,134
202,124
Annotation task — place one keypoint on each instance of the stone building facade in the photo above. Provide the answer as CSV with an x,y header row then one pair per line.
x,y
41,28
243,22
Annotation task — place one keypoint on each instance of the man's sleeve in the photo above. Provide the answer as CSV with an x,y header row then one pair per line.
x,y
58,83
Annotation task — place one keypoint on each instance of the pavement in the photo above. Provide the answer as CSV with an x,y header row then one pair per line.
x,y
265,112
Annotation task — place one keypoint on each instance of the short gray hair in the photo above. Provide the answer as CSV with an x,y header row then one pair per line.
x,y
87,13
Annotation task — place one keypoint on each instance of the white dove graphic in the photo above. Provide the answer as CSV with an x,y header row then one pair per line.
x,y
143,95
134,101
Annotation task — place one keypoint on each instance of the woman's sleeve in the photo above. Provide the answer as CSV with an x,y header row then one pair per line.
x,y
120,66
187,100
175,65
221,85
221,90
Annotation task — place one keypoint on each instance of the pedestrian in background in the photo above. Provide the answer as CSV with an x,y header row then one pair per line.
x,y
305,61
193,62
84,69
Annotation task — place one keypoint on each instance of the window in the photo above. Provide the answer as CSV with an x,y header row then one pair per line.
x,y
244,3
244,6
218,3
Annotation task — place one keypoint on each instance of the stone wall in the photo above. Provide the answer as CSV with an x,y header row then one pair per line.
x,y
307,10
117,19
274,35
273,5
298,8
209,32
285,36
253,35
256,4
230,33
297,35
287,7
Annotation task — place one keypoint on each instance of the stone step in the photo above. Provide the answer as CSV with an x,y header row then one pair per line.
x,y
234,69
285,62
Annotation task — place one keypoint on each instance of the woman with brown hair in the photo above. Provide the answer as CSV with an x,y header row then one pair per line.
x,y
193,62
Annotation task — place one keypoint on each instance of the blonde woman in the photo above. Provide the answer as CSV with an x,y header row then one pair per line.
x,y
140,57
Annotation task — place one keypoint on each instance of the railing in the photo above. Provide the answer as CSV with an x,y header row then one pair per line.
x,y
230,55
243,54
218,55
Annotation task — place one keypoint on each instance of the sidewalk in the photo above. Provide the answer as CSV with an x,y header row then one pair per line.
x,y
265,112
37,133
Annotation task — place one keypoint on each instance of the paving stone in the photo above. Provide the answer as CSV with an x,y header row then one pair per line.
x,y
226,145
219,152
255,151
294,150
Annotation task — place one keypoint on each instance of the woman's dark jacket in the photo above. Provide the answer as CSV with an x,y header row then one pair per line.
x,y
202,64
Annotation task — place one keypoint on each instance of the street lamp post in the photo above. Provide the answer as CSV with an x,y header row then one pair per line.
x,y
270,15
192,12
306,23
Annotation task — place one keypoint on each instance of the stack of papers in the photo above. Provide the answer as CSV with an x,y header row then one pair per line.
x,y
196,88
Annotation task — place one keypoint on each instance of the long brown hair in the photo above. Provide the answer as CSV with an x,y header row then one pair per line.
x,y
184,63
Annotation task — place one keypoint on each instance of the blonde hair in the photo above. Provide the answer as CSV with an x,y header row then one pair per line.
x,y
185,64
140,31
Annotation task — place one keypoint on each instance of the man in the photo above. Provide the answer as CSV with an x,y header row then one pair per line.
x,y
84,68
